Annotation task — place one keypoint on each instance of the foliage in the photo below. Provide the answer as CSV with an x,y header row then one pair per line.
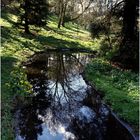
x,y
97,28
128,54
6,98
33,12
105,50
14,83
107,32
120,89
18,82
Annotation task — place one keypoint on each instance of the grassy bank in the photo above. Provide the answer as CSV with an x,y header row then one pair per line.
x,y
120,89
6,102
13,84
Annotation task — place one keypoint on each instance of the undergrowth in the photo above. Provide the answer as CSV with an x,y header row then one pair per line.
x,y
120,89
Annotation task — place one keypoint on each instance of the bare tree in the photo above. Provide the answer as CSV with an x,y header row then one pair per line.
x,y
62,6
69,11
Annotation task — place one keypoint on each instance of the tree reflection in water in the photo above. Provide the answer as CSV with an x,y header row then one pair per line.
x,y
61,74
63,106
58,89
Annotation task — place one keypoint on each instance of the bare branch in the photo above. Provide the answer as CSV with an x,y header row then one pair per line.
x,y
84,10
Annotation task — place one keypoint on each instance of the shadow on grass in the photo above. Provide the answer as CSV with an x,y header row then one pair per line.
x,y
60,32
53,18
40,42
10,35
51,42
57,43
68,26
5,15
6,34
7,63
74,29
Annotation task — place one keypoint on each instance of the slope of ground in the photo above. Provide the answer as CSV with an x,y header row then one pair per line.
x,y
119,87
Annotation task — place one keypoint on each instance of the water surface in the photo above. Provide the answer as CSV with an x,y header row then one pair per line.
x,y
63,106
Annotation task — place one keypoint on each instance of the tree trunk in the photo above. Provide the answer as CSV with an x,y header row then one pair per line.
x,y
59,23
60,14
129,49
130,19
63,15
27,31
26,25
108,29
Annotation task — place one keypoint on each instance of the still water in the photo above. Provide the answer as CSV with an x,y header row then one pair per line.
x,y
63,106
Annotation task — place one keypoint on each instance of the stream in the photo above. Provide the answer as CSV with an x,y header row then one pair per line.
x,y
63,105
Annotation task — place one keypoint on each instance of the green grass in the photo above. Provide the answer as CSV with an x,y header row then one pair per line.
x,y
6,97
120,89
15,41
13,83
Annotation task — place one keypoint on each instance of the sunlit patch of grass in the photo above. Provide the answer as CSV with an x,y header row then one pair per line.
x,y
4,22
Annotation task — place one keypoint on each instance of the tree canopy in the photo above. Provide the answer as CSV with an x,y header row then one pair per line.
x,y
33,12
